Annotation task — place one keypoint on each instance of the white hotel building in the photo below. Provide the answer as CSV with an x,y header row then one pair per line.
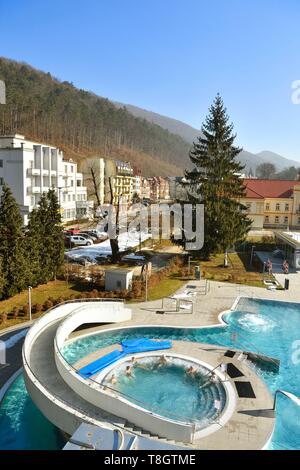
x,y
31,168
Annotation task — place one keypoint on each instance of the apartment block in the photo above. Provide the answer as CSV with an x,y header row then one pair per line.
x,y
31,168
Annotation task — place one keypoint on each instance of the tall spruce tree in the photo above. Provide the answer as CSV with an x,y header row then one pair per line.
x,y
56,245
34,247
215,182
12,248
45,239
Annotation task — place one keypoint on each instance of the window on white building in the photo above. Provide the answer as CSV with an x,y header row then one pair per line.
x,y
287,207
69,197
267,207
78,183
278,207
276,219
72,169
286,220
72,183
74,197
66,168
267,220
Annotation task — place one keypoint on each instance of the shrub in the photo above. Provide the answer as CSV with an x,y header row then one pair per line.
x,y
37,308
25,310
95,293
48,304
15,313
3,317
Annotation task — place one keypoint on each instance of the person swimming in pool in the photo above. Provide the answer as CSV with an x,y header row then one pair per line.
x,y
214,378
162,361
191,371
113,379
128,372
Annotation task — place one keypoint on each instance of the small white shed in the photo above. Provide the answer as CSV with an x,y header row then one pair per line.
x,y
118,279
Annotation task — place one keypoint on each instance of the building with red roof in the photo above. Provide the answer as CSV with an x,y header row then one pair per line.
x,y
273,203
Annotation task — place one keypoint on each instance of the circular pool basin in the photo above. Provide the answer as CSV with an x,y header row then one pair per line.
x,y
169,390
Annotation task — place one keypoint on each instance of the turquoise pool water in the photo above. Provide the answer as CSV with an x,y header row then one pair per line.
x,y
271,328
22,425
151,385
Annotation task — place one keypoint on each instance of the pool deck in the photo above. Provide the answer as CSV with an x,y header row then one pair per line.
x,y
207,307
252,422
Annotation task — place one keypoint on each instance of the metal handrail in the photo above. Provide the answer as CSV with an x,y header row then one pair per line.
x,y
260,353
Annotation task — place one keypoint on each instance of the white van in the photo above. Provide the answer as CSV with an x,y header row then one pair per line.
x,y
80,240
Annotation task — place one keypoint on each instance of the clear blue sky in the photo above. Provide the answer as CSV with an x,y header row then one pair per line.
x,y
172,57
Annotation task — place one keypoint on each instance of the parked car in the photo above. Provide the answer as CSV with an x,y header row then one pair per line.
x,y
99,235
138,260
85,235
72,231
89,235
79,240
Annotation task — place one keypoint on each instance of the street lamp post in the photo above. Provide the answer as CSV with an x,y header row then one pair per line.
x,y
189,265
251,258
146,284
29,302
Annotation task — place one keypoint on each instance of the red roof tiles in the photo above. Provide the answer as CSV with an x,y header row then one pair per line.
x,y
260,189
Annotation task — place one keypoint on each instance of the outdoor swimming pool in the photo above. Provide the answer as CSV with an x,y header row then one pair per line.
x,y
151,385
268,327
22,425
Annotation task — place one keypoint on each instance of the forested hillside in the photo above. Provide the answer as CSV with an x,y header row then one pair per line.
x,y
81,123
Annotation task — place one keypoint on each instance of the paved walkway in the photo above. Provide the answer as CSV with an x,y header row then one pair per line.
x,y
207,307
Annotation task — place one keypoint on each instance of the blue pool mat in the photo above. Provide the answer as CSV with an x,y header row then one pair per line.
x,y
130,346
101,363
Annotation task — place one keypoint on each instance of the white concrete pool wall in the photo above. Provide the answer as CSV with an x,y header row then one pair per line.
x,y
186,361
59,412
93,393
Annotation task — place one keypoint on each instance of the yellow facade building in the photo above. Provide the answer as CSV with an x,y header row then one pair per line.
x,y
273,203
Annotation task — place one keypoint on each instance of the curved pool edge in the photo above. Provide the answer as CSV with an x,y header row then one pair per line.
x,y
9,382
230,402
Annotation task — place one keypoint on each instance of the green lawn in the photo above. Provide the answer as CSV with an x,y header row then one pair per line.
x,y
237,272
165,288
39,295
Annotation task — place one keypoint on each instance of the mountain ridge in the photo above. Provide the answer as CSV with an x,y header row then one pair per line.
x,y
249,159
82,123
